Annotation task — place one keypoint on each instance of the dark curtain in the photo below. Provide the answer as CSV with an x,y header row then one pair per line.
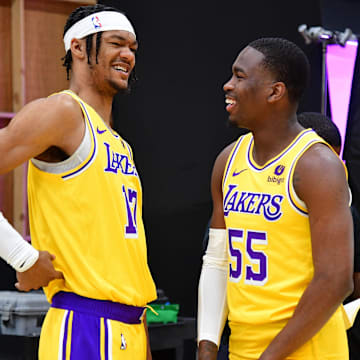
x,y
175,117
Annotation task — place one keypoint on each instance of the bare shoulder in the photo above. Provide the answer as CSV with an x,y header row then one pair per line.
x,y
218,170
217,218
220,162
320,159
63,100
51,109
53,121
319,170
63,105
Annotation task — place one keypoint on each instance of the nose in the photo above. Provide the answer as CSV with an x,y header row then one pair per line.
x,y
127,55
228,86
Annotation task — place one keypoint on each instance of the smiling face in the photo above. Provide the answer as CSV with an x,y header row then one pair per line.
x,y
247,91
116,60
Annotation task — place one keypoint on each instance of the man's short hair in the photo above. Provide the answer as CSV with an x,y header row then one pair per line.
x,y
322,125
287,62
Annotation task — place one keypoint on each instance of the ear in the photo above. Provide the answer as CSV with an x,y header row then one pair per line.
x,y
277,92
78,48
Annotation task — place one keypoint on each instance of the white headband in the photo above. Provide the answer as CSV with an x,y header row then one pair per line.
x,y
101,21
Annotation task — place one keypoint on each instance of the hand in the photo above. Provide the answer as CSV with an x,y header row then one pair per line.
x,y
207,350
39,275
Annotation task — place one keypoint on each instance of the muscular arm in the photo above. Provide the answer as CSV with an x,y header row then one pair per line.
x,y
208,349
54,121
320,181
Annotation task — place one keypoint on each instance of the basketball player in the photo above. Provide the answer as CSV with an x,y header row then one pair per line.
x,y
85,197
287,222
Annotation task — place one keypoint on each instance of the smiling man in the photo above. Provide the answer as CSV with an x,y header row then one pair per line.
x,y
85,197
280,259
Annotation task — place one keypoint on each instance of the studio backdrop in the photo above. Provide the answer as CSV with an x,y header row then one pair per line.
x,y
175,116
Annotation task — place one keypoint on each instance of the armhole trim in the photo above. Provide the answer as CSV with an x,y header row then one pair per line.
x,y
297,204
71,163
231,159
92,154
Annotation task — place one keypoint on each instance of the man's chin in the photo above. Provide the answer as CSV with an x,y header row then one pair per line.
x,y
120,88
232,123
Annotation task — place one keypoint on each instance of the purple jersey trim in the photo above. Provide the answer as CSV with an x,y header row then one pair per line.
x,y
130,152
65,336
114,134
232,158
94,150
256,167
85,337
101,308
106,339
289,182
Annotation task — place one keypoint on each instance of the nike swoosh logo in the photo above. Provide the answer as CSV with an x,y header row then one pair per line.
x,y
100,131
239,172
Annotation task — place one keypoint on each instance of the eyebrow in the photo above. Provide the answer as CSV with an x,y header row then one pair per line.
x,y
118,37
238,69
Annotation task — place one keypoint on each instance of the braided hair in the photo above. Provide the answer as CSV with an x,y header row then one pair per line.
x,y
78,14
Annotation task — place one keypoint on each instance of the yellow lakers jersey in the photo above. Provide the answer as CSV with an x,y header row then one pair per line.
x,y
90,217
269,241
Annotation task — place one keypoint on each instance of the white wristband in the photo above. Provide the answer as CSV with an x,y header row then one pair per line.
x,y
16,251
212,304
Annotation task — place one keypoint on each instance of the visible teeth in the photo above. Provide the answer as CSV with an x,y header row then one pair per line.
x,y
229,101
120,68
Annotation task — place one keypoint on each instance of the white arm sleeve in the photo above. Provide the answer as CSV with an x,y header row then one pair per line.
x,y
212,305
16,251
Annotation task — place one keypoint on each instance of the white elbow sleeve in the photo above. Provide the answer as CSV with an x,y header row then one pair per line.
x,y
14,249
212,305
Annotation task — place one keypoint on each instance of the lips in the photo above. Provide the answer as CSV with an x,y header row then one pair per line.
x,y
231,102
122,68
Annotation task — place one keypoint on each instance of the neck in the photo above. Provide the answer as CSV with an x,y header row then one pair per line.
x,y
100,102
273,137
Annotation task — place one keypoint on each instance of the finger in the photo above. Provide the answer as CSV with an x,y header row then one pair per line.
x,y
19,287
52,257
